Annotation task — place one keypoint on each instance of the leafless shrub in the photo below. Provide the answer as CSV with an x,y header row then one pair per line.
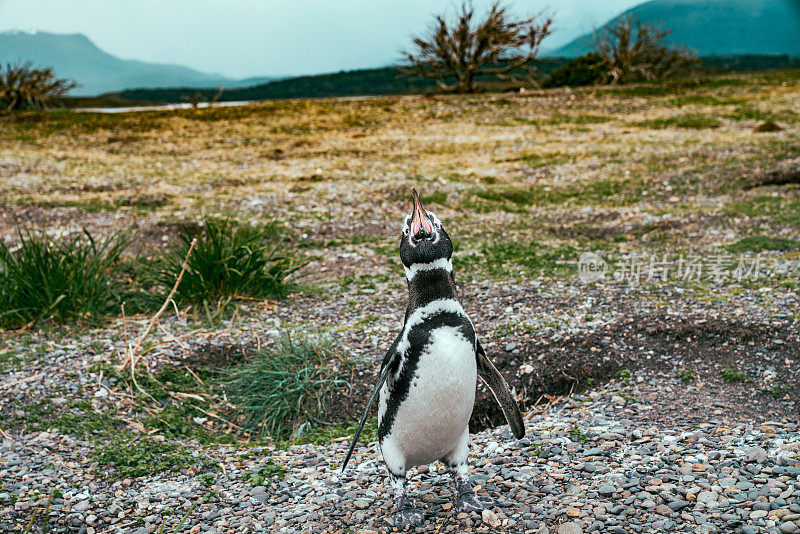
x,y
24,86
496,45
636,52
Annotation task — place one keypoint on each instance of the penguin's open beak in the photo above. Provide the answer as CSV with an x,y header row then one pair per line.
x,y
421,224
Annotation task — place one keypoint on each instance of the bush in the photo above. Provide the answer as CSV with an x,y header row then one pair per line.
x,y
58,279
589,69
24,86
230,261
637,51
278,390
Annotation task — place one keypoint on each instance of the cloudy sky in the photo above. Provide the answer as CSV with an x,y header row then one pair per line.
x,y
242,38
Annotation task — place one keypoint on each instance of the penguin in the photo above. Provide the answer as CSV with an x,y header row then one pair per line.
x,y
427,382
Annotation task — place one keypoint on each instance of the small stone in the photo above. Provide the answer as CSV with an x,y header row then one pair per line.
x,y
663,509
446,506
678,505
573,512
758,514
755,454
510,346
569,528
709,498
619,401
490,518
606,489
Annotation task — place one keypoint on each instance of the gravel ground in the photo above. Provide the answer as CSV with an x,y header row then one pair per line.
x,y
585,466
639,451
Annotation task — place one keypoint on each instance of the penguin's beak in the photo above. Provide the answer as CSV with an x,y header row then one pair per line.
x,y
421,224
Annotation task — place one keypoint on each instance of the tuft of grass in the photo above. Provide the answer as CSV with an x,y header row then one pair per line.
x,y
686,375
577,434
230,261
271,470
279,390
60,280
625,376
732,376
760,243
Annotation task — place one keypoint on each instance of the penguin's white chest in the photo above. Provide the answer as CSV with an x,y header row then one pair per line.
x,y
433,418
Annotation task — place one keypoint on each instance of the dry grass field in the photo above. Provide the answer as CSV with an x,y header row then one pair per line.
x,y
673,165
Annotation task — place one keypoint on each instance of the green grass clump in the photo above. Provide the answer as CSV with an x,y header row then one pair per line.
x,y
784,208
760,243
230,261
437,197
197,390
279,390
732,376
689,122
498,257
67,279
578,435
141,457
271,470
686,375
589,192
325,435
76,418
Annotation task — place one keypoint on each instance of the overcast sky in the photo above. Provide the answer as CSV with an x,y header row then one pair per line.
x,y
242,38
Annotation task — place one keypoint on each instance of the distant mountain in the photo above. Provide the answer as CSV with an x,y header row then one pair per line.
x,y
75,56
716,27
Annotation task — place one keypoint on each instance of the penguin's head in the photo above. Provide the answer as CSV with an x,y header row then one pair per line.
x,y
424,242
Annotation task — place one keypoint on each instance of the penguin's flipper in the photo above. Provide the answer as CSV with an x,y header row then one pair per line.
x,y
386,365
502,394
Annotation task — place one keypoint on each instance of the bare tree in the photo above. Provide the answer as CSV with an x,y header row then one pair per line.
x,y
496,45
23,85
636,51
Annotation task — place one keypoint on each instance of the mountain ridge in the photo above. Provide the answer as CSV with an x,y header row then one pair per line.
x,y
75,56
715,27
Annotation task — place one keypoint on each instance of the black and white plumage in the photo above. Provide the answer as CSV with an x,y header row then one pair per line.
x,y
428,377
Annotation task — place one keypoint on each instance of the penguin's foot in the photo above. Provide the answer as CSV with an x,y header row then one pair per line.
x,y
469,502
407,515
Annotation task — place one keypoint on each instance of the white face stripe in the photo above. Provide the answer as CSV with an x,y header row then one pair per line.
x,y
420,314
441,263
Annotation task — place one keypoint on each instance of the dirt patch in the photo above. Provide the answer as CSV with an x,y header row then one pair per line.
x,y
655,347
220,356
786,174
